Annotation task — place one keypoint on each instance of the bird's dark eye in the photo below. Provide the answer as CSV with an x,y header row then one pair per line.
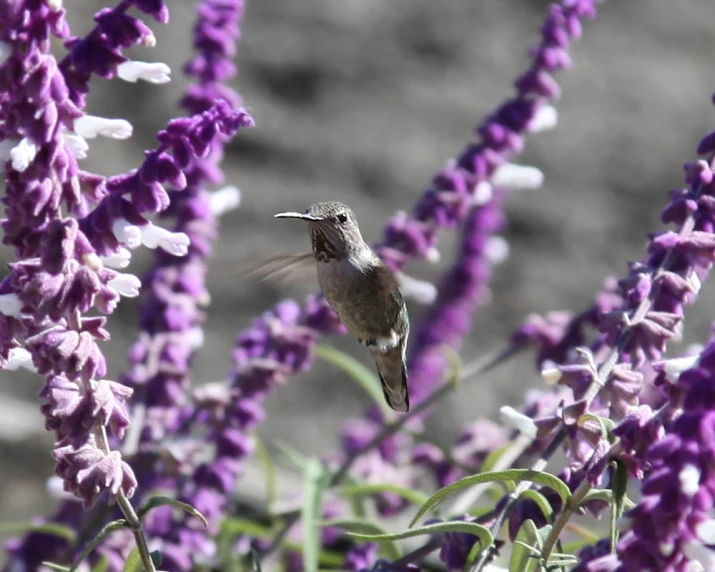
x,y
342,218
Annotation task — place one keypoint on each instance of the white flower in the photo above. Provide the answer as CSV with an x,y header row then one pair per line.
x,y
689,477
152,72
483,192
75,143
54,5
176,243
20,358
546,118
496,249
525,425
224,200
10,305
517,177
119,259
126,233
5,52
551,376
195,338
432,256
126,285
674,367
23,154
420,291
89,126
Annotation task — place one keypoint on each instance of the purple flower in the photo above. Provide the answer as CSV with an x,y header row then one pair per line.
x,y
678,491
361,557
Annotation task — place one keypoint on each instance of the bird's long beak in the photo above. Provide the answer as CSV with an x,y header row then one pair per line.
x,y
302,216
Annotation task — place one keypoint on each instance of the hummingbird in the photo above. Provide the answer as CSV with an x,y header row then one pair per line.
x,y
361,290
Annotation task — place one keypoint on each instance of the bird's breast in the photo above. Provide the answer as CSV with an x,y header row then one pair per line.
x,y
362,300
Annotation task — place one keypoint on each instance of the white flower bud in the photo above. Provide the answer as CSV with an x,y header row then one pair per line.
x,y
119,259
75,143
525,425
5,52
483,192
19,358
517,177
674,367
689,477
420,291
127,233
23,154
10,305
551,376
432,256
224,200
152,72
89,126
126,285
496,249
546,118
176,243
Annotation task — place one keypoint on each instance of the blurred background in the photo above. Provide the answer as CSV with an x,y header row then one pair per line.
x,y
362,101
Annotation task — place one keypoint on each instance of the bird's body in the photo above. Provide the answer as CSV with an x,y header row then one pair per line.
x,y
362,291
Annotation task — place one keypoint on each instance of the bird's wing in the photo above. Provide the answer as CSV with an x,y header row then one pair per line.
x,y
283,269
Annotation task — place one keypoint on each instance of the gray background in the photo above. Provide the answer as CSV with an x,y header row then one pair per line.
x,y
362,101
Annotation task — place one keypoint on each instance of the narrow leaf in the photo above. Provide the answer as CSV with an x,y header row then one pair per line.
x,y
108,529
359,373
410,495
265,458
134,562
157,501
543,504
291,456
619,487
481,532
606,495
315,480
542,478
605,423
523,551
51,528
54,566
389,549
102,565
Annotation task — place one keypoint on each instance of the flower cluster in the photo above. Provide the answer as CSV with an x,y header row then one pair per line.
x,y
64,267
72,230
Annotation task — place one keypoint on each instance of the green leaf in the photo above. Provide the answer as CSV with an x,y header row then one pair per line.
x,y
389,549
481,532
606,495
619,487
134,562
102,565
410,495
455,365
540,500
233,527
265,458
158,501
290,455
51,528
315,480
360,374
54,566
560,559
523,551
108,529
542,478
493,457
606,424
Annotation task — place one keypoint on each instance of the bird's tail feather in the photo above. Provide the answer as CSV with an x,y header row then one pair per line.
x,y
393,375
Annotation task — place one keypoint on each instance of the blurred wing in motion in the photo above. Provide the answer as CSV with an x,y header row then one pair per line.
x,y
283,269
